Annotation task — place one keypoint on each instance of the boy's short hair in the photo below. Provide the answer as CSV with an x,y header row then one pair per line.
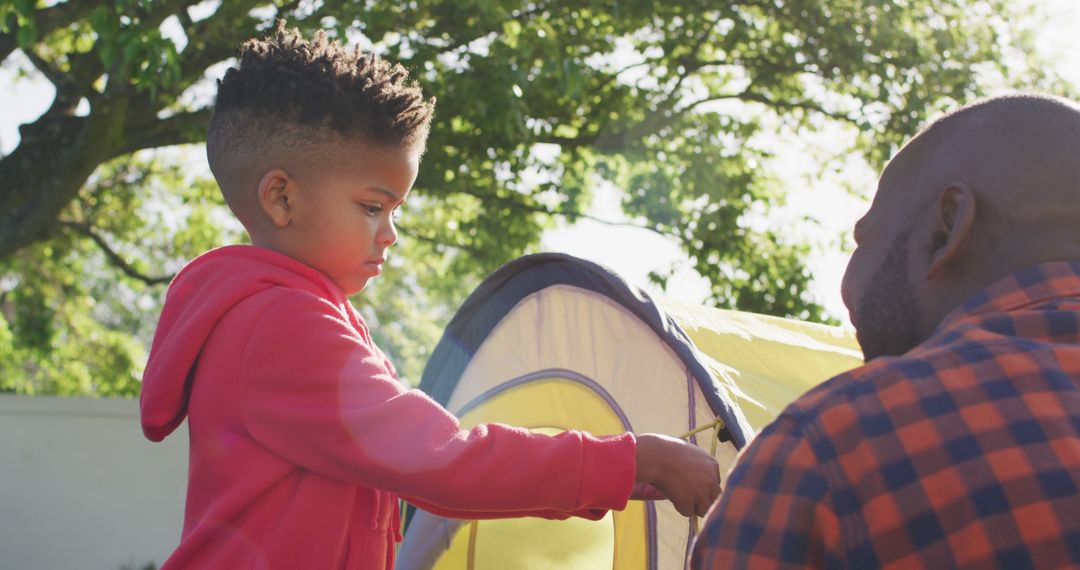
x,y
289,95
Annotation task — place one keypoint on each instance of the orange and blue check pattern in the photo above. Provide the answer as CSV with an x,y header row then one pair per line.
x,y
964,452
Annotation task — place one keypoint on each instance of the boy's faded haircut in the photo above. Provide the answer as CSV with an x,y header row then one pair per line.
x,y
289,96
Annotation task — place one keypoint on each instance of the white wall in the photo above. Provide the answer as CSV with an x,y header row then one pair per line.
x,y
81,488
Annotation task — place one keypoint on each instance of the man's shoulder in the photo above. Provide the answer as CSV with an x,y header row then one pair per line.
x,y
866,384
885,386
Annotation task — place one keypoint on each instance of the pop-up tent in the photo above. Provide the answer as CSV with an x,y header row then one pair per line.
x,y
551,342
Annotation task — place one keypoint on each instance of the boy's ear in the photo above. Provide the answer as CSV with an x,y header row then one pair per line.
x,y
277,192
954,227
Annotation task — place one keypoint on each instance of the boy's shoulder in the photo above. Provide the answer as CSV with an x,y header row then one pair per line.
x,y
279,321
284,304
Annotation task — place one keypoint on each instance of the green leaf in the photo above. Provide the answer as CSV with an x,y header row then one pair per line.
x,y
511,33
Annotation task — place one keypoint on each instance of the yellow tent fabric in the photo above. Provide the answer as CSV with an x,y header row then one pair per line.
x,y
764,362
552,343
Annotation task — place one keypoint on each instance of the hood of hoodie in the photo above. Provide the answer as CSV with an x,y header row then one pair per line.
x,y
198,297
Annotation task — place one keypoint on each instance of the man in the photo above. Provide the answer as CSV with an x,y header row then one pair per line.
x,y
958,443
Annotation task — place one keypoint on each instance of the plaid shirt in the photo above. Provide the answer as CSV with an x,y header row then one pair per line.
x,y
964,452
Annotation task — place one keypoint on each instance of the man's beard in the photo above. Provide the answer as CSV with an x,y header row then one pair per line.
x,y
886,317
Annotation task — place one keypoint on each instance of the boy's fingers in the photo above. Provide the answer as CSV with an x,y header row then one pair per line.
x,y
646,492
703,508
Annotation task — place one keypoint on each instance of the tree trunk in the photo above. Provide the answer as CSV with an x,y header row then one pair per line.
x,y
53,160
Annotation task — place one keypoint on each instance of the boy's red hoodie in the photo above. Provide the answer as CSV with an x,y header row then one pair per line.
x,y
302,438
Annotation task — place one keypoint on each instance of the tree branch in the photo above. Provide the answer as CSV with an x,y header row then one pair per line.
x,y
473,251
48,20
693,63
804,105
286,9
617,141
113,256
615,75
51,73
68,89
520,15
571,216
215,38
181,128
574,217
162,9
690,63
185,21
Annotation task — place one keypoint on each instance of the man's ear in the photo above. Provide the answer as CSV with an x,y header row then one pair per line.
x,y
277,192
954,227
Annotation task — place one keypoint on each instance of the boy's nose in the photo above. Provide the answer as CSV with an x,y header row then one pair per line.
x,y
388,235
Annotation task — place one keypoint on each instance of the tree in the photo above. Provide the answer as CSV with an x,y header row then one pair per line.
x,y
539,102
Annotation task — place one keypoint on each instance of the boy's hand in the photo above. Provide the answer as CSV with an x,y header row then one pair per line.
x,y
685,474
646,492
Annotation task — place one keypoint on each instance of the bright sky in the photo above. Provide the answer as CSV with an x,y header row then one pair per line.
x,y
635,252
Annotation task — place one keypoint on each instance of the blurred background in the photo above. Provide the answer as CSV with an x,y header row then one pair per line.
x,y
716,152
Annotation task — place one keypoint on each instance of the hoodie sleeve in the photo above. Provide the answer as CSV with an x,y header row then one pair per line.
x,y
315,392
550,514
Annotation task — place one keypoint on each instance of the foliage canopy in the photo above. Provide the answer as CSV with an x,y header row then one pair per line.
x,y
538,103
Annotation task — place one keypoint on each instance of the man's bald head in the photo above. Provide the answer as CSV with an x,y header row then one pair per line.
x,y
1021,152
978,194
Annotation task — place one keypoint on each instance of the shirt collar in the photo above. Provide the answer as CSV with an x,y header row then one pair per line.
x,y
1031,285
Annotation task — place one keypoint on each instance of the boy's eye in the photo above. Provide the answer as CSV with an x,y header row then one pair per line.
x,y
372,209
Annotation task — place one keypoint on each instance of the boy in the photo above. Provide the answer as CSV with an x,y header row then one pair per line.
x,y
301,437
